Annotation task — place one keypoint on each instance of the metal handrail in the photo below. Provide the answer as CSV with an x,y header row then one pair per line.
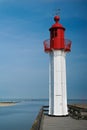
x,y
67,44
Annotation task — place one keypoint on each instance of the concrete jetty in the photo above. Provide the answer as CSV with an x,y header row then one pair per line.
x,y
63,123
76,120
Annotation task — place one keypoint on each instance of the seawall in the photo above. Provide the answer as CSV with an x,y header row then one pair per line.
x,y
76,120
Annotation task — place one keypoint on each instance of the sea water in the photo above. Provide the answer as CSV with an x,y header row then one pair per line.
x,y
22,115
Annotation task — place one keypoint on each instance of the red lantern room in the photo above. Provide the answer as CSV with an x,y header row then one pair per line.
x,y
57,41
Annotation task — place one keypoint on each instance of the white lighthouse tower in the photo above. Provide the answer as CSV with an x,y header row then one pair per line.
x,y
57,47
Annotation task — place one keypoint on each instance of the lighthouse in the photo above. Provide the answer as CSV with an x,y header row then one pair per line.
x,y
57,47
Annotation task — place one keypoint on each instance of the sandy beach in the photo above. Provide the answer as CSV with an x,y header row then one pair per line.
x,y
2,104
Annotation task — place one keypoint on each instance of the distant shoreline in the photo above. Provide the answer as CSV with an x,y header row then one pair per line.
x,y
3,104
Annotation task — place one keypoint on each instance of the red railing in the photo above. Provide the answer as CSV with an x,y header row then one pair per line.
x,y
67,46
47,45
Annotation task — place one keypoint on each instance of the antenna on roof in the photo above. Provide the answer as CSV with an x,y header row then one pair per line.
x,y
57,12
54,12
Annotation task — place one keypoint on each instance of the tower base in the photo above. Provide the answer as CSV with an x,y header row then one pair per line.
x,y
58,115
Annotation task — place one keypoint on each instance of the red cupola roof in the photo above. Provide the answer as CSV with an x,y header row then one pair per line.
x,y
56,18
57,24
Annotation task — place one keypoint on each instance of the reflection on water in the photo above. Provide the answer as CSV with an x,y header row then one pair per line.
x,y
22,115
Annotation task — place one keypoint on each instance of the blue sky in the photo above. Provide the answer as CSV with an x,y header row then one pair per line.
x,y
24,25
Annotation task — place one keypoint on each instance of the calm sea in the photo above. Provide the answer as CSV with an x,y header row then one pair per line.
x,y
22,115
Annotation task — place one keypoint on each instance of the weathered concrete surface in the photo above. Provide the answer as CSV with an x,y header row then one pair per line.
x,y
63,123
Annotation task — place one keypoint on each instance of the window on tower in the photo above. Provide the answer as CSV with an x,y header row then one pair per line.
x,y
54,33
